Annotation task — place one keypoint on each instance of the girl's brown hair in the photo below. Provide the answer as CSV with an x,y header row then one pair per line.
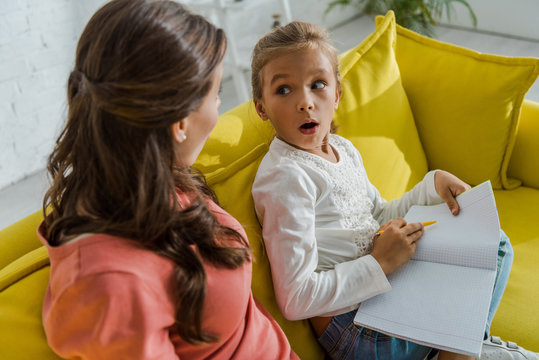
x,y
295,36
140,67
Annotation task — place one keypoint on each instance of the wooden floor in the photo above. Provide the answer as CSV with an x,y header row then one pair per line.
x,y
25,197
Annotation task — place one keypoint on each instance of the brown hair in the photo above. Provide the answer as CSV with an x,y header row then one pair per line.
x,y
295,36
140,67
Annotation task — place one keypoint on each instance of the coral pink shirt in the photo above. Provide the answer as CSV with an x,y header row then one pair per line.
x,y
108,298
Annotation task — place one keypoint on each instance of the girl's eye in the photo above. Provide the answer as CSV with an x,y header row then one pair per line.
x,y
318,84
283,90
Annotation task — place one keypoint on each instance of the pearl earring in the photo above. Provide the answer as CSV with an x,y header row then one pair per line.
x,y
184,137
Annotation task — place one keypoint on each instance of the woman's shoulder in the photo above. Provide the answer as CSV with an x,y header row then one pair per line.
x,y
96,255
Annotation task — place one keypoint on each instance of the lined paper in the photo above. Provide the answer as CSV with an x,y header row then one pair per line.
x,y
468,239
441,297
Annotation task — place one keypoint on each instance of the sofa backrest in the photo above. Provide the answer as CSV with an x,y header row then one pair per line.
x,y
524,164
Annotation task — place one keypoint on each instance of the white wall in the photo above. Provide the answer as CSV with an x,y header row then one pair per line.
x,y
37,46
37,49
514,17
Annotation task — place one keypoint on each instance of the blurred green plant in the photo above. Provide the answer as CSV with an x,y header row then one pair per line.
x,y
417,15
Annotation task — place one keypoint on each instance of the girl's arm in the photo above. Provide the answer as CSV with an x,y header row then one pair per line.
x,y
285,198
423,193
437,186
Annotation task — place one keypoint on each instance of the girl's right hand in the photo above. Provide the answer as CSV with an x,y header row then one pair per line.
x,y
397,244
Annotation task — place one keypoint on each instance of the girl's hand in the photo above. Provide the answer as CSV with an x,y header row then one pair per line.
x,y
397,244
448,186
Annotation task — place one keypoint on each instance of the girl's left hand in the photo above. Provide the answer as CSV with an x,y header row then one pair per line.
x,y
448,186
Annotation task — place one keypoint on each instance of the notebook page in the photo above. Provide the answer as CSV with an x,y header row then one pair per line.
x,y
469,239
438,305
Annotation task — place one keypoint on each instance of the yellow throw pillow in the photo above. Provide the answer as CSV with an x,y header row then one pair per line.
x,y
239,138
466,105
375,115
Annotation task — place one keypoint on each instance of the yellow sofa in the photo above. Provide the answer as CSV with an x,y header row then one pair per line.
x,y
399,90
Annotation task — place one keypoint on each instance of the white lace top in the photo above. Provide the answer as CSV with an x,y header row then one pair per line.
x,y
319,219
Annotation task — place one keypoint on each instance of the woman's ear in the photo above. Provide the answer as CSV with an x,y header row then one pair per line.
x,y
260,110
178,130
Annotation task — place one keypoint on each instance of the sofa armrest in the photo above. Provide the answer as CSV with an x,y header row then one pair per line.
x,y
525,158
23,266
19,238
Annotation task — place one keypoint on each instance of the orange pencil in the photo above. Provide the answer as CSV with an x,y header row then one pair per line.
x,y
425,223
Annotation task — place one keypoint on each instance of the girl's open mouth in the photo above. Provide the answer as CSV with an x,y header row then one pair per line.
x,y
309,128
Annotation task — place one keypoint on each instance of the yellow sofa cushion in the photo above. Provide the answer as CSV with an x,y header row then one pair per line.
x,y
238,139
466,105
517,318
524,164
374,113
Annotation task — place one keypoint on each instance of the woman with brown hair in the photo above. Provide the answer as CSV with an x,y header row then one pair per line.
x,y
144,263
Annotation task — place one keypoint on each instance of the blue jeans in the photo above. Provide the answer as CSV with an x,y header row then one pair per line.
x,y
343,340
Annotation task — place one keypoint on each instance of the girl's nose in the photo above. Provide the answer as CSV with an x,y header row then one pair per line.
x,y
302,108
305,104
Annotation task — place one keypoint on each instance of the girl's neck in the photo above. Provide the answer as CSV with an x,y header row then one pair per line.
x,y
325,151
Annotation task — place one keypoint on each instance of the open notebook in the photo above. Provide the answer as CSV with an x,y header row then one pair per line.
x,y
441,297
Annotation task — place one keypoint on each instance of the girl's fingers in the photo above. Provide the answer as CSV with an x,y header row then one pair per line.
x,y
399,222
414,227
415,231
